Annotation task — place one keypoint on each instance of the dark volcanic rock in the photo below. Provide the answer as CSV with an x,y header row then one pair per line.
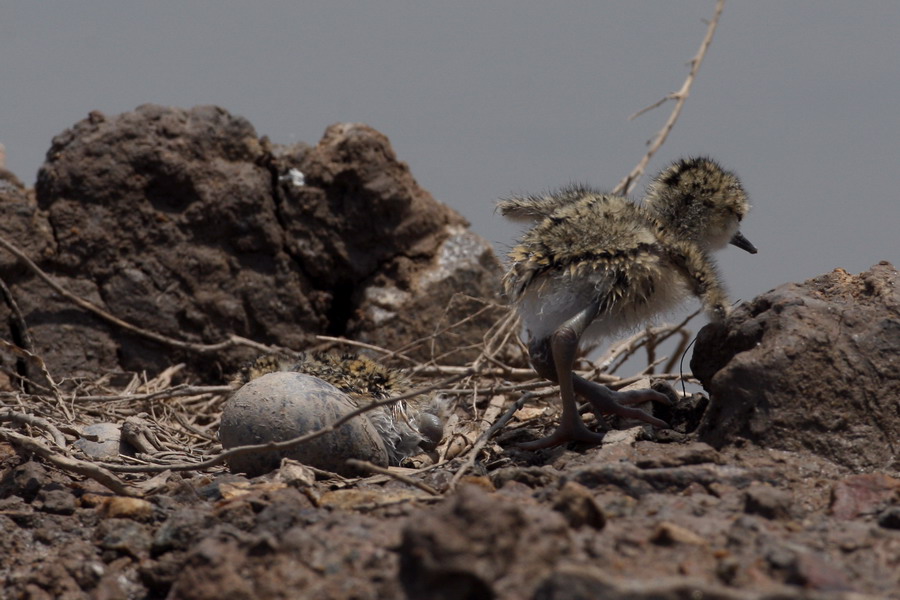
x,y
187,224
467,548
812,366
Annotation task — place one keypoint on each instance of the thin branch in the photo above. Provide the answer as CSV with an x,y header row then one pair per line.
x,y
372,468
232,340
627,184
173,392
66,463
40,423
18,320
486,436
365,346
33,359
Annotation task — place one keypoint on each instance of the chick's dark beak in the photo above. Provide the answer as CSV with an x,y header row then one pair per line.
x,y
743,243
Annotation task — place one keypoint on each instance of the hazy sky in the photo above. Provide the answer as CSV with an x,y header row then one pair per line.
x,y
800,98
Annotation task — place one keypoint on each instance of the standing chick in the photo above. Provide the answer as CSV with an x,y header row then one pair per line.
x,y
595,264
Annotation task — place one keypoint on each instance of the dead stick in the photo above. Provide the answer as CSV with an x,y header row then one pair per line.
x,y
175,392
487,435
372,468
40,423
680,97
232,340
66,463
18,321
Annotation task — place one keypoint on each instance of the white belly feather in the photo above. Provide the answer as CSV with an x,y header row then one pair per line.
x,y
552,299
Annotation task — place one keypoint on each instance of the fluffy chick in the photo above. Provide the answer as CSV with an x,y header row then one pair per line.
x,y
594,264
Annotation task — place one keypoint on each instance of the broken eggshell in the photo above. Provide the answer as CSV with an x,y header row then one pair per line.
x,y
283,405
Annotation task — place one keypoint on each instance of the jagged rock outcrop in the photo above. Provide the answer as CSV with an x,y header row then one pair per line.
x,y
813,366
188,224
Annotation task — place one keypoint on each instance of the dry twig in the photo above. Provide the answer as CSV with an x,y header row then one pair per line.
x,y
372,468
627,184
67,463
231,341
486,436
15,417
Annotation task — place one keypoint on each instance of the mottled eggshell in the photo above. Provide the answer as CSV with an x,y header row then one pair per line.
x,y
284,405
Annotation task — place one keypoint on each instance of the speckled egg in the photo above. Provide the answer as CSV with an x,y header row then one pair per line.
x,y
284,405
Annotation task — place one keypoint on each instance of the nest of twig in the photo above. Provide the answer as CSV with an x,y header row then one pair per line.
x,y
173,427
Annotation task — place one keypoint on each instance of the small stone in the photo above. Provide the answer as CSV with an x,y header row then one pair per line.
x,y
768,502
863,494
123,536
28,479
676,456
100,440
816,572
668,534
58,502
576,503
180,530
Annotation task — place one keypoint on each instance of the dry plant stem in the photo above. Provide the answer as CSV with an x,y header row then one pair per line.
x,y
650,347
664,333
679,351
487,306
508,373
40,423
175,392
434,335
620,352
232,340
286,444
486,436
492,390
648,370
627,184
667,376
371,468
72,465
365,346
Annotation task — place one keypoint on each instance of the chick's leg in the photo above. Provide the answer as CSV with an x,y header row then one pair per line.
x,y
554,359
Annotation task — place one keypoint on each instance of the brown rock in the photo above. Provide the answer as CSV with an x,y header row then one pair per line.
x,y
590,582
866,494
468,547
123,507
187,224
667,534
809,366
577,504
402,265
767,501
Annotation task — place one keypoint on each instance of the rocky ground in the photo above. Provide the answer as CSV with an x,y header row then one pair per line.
x,y
182,244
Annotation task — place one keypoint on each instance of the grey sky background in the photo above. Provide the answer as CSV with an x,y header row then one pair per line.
x,y
481,99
